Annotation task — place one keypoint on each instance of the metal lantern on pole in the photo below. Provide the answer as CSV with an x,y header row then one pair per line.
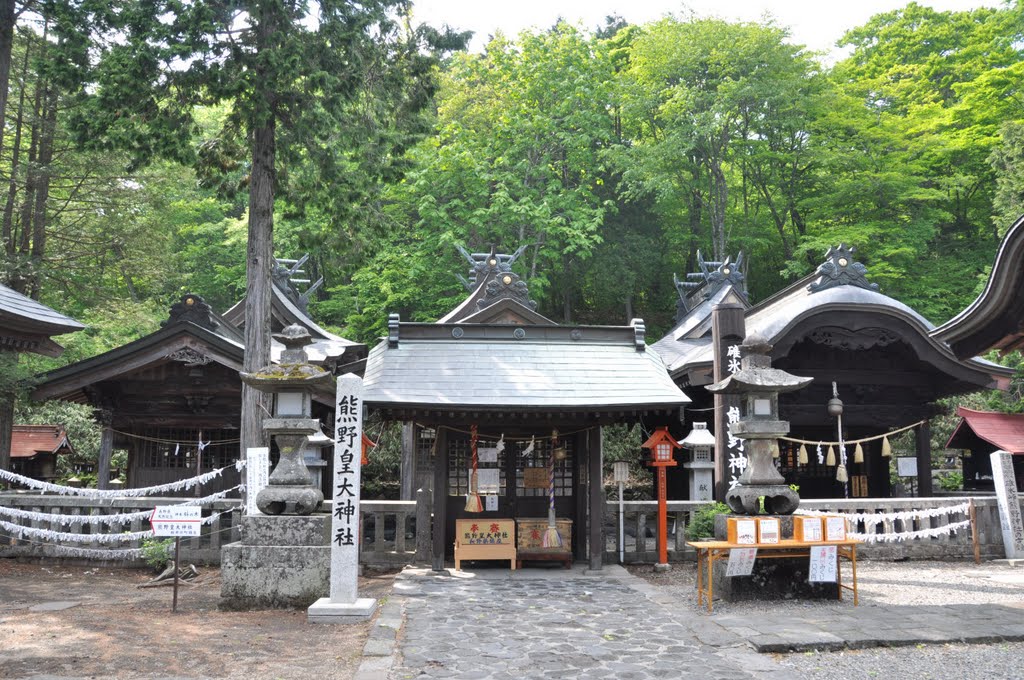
x,y
661,445
620,475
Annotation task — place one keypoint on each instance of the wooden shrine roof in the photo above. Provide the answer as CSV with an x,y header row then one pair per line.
x,y
27,441
26,325
995,320
837,306
1005,431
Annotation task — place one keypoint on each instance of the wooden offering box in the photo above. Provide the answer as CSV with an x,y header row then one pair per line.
x,y
807,529
530,539
741,530
485,539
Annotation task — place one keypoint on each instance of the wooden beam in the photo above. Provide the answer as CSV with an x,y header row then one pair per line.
x,y
595,488
440,497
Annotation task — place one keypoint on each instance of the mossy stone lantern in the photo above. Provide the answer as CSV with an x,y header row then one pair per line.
x,y
290,489
759,386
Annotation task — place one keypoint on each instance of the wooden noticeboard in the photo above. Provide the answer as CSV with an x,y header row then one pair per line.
x,y
485,539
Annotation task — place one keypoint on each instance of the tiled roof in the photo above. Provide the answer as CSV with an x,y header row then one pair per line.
x,y
30,440
1005,431
571,368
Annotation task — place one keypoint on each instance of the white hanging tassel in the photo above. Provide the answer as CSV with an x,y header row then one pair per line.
x,y
831,458
801,458
775,449
886,448
841,475
858,454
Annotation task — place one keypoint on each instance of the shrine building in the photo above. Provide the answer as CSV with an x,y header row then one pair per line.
x,y
505,408
887,363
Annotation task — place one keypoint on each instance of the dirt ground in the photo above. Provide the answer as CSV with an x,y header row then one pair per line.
x,y
122,631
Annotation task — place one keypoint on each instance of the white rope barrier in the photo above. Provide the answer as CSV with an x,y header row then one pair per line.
x,y
119,518
181,484
873,519
18,531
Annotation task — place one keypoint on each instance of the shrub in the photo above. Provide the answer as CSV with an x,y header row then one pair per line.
x,y
157,553
703,523
951,481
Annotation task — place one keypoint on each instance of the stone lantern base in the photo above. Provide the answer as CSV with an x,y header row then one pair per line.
x,y
282,562
779,499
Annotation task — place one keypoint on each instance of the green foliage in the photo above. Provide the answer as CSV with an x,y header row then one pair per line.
x,y
703,523
158,553
951,481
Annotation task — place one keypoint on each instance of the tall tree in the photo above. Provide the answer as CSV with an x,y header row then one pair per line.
x,y
298,77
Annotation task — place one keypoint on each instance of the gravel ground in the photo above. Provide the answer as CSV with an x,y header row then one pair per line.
x,y
890,584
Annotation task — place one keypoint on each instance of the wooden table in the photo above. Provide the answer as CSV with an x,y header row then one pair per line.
x,y
708,552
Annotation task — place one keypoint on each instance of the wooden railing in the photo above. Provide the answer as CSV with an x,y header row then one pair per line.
x,y
641,524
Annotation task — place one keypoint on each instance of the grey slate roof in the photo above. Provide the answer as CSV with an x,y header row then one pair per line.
x,y
25,313
487,368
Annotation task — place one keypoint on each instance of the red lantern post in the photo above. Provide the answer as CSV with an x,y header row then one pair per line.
x,y
662,445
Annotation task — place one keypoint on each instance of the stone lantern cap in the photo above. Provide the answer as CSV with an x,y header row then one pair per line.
x,y
294,370
700,435
756,375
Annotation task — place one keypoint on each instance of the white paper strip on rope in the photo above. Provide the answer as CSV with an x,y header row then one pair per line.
x,y
18,531
871,518
186,484
911,535
120,518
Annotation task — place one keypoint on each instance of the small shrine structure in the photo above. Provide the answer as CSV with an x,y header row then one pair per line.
x,y
25,326
172,398
528,396
833,326
34,450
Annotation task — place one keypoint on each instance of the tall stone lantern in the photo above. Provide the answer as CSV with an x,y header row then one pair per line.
x,y
290,489
759,386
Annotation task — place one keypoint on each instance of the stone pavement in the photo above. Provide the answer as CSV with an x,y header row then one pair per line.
x,y
495,624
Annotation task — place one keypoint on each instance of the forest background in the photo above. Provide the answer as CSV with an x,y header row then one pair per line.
x,y
613,154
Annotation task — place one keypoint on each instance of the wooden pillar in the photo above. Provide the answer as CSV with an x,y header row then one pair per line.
x,y
440,492
728,328
923,435
106,418
408,467
595,487
8,366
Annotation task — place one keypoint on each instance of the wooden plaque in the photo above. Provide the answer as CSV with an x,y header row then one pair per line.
x,y
535,478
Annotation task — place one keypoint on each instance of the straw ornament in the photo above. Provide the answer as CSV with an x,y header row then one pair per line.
x,y
801,458
551,538
886,448
858,454
830,459
841,475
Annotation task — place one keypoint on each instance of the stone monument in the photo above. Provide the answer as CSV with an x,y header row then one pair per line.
x,y
283,559
344,604
1009,504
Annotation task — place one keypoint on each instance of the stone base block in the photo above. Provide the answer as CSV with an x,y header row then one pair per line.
x,y
325,611
273,577
300,530
775,578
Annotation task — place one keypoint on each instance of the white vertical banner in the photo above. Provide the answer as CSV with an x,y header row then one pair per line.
x,y
348,438
257,476
1009,504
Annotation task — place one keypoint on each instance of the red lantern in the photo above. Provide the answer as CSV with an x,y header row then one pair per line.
x,y
662,445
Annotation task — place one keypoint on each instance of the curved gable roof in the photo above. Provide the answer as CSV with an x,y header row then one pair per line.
x,y
995,320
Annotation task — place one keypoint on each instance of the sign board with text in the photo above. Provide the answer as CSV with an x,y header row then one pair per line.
x,y
177,520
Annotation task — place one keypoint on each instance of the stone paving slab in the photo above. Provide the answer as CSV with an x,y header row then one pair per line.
x,y
498,624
